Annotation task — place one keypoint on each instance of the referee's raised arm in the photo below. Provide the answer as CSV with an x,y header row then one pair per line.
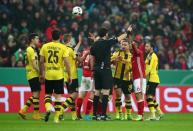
x,y
101,68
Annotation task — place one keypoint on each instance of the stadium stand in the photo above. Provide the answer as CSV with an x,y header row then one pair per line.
x,y
168,23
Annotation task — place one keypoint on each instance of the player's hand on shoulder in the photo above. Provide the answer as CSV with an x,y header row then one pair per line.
x,y
118,59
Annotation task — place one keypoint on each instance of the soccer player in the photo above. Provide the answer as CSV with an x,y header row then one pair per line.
x,y
139,80
32,73
122,79
86,85
53,58
73,86
100,65
152,77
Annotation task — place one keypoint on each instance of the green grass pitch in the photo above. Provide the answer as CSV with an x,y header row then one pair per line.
x,y
170,122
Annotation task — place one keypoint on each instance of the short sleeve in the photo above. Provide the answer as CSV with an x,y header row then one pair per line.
x,y
30,53
65,52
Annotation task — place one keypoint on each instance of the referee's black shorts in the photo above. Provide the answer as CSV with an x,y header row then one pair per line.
x,y
126,86
54,86
151,88
103,79
34,84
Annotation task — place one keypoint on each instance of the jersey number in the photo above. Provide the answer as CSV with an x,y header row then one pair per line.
x,y
53,56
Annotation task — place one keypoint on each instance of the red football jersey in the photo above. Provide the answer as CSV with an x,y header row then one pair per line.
x,y
86,67
138,63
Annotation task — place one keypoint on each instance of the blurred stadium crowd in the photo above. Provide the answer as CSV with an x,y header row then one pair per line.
x,y
166,23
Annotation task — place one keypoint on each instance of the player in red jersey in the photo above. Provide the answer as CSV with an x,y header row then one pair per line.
x,y
139,81
86,86
138,72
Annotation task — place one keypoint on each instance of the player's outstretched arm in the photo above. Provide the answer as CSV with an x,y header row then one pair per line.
x,y
93,37
80,39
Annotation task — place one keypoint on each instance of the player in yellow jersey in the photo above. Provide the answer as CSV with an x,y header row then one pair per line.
x,y
122,79
152,77
53,59
73,86
32,73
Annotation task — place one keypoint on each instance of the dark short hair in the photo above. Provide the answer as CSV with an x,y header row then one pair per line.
x,y
102,32
32,36
56,34
151,44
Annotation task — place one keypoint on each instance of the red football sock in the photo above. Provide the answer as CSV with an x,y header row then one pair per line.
x,y
79,104
99,108
88,106
140,106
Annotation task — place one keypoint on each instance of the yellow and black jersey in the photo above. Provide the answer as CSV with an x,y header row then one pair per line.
x,y
151,70
73,66
54,54
30,56
122,68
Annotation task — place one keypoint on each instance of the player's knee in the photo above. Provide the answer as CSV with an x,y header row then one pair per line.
x,y
58,96
105,91
139,96
97,92
118,92
36,94
91,96
127,97
81,94
149,96
74,95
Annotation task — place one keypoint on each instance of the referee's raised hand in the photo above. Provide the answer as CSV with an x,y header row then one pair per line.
x,y
130,28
